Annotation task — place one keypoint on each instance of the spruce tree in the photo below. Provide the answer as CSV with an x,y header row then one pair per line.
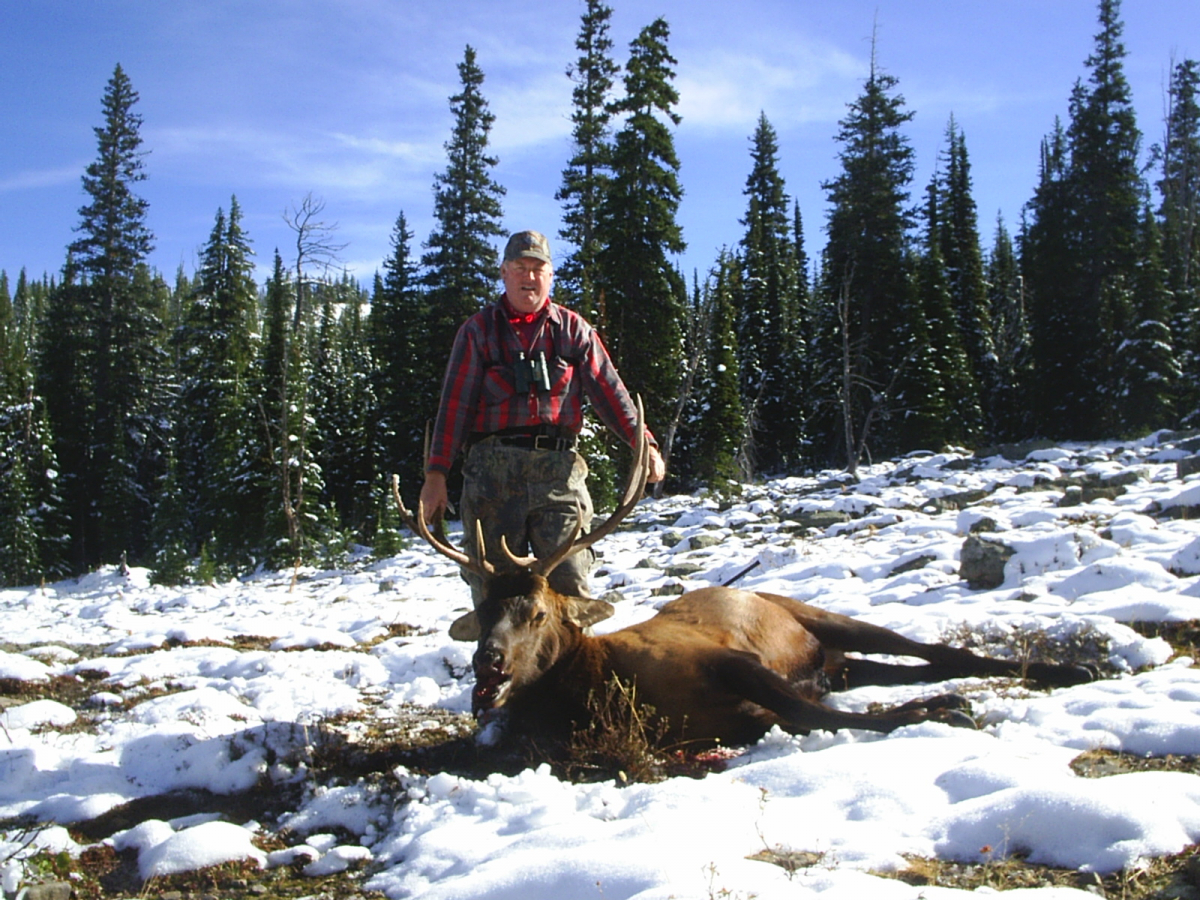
x,y
405,392
767,314
1009,415
720,423
935,392
121,337
958,224
585,180
1146,368
643,293
216,425
1094,228
1179,186
866,276
460,261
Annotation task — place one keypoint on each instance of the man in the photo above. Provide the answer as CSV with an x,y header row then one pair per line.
x,y
513,397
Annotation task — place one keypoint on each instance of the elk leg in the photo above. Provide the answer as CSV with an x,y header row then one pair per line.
x,y
743,675
840,632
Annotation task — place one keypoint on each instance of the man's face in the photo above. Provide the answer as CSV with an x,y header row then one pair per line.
x,y
526,283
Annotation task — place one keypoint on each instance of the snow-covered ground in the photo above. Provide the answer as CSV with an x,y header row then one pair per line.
x,y
219,687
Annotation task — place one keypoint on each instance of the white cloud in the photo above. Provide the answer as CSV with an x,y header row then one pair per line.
x,y
39,178
720,88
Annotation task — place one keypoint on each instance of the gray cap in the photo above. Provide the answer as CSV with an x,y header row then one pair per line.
x,y
531,244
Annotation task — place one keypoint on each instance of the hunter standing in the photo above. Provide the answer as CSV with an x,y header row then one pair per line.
x,y
513,400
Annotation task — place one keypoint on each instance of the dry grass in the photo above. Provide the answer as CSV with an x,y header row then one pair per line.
x,y
1086,645
1167,878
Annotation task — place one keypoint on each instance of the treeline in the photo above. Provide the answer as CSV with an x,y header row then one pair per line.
x,y
211,425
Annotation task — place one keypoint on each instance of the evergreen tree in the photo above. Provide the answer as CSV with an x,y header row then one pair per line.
x,y
1048,256
866,275
1180,216
644,294
1008,410
1147,370
585,180
406,392
343,404
1095,228
120,336
935,391
767,314
461,263
216,422
720,423
958,240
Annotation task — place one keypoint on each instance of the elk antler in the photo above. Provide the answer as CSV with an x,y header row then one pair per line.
x,y
639,472
480,567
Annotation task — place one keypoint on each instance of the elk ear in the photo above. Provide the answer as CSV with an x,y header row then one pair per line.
x,y
585,611
465,627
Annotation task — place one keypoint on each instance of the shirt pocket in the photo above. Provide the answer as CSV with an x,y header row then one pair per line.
x,y
499,385
561,372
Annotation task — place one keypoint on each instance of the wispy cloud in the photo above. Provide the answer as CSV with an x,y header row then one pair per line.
x,y
722,87
40,178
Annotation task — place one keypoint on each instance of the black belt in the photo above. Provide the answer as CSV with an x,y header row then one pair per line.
x,y
546,437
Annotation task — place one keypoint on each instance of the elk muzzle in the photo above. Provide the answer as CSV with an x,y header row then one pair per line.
x,y
491,680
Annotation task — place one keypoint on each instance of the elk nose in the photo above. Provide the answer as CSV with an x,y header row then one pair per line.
x,y
488,658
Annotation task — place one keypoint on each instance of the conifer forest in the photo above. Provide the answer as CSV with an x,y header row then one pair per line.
x,y
203,424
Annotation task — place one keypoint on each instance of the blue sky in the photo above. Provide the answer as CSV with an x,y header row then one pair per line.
x,y
273,99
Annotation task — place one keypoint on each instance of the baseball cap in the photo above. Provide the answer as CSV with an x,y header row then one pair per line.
x,y
532,244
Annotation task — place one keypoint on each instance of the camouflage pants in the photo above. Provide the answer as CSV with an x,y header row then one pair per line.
x,y
531,497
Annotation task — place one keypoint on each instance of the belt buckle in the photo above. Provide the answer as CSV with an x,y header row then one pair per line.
x,y
537,442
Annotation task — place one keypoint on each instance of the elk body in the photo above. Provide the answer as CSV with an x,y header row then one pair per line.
x,y
716,664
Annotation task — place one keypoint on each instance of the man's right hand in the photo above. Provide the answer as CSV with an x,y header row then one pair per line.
x,y
433,496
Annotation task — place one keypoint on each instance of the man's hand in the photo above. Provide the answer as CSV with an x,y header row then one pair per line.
x,y
433,496
658,469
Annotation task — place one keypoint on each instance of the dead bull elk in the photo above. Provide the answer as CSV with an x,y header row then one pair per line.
x,y
716,664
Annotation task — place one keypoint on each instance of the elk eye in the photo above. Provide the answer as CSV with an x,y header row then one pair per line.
x,y
539,617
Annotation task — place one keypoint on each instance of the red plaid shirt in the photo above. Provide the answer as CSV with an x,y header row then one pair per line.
x,y
479,392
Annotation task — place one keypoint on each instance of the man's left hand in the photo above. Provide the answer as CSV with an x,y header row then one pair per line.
x,y
658,469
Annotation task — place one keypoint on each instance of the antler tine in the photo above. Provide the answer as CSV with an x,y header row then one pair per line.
x,y
417,523
638,474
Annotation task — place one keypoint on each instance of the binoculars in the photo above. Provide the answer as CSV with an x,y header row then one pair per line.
x,y
532,373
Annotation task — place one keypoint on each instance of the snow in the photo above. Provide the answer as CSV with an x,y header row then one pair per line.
x,y
226,687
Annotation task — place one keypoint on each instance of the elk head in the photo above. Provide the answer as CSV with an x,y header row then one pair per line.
x,y
522,624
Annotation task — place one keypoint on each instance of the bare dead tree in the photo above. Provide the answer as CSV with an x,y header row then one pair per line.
x,y
315,249
315,246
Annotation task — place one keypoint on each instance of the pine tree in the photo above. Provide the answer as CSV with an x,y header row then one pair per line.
x,y
720,423
767,314
959,242
461,263
935,391
1008,408
866,275
1094,229
121,344
1048,257
643,293
1146,367
1180,216
405,392
215,417
586,178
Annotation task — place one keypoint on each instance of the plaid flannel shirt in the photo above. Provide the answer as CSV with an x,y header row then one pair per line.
x,y
479,391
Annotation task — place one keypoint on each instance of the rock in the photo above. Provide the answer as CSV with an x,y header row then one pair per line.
x,y
1189,465
55,890
821,519
982,562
